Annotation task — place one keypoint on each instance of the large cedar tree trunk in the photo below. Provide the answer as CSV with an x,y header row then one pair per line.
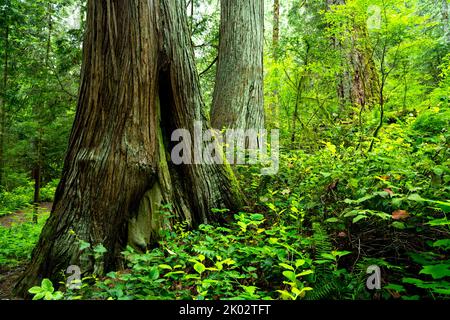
x,y
138,85
238,100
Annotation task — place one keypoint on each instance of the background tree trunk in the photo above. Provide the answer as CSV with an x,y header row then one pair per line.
x,y
358,84
274,106
3,94
138,84
37,111
238,100
37,192
276,26
445,21
364,77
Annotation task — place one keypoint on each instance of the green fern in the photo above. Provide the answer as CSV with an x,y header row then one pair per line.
x,y
321,240
326,286
206,252
322,290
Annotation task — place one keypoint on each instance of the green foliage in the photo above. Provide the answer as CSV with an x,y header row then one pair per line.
x,y
250,259
46,291
19,198
18,241
41,56
22,197
49,190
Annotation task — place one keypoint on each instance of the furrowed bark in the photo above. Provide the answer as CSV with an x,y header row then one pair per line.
x,y
238,100
276,26
138,84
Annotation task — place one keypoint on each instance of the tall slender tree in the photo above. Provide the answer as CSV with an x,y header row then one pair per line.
x,y
276,25
138,85
445,21
4,83
37,112
274,105
238,100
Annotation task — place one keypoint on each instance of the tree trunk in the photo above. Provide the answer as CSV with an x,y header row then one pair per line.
x,y
364,77
138,85
358,85
299,98
276,26
238,100
3,97
445,21
37,170
37,192
275,51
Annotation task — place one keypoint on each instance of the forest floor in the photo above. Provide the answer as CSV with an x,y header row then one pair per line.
x,y
8,278
9,274
20,216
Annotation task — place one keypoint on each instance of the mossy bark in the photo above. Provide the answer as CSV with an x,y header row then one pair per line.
x,y
358,85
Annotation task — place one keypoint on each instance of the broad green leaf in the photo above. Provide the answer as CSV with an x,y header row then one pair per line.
x,y
35,290
47,285
437,271
48,296
84,245
439,222
170,274
257,217
358,218
58,295
296,291
305,273
415,197
165,267
398,225
250,289
100,249
39,295
153,273
285,295
290,275
299,263
443,243
286,266
340,254
199,267
328,256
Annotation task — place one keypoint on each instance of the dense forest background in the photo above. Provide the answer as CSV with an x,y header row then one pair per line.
x,y
360,93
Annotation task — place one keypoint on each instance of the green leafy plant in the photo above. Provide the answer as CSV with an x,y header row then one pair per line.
x,y
46,291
